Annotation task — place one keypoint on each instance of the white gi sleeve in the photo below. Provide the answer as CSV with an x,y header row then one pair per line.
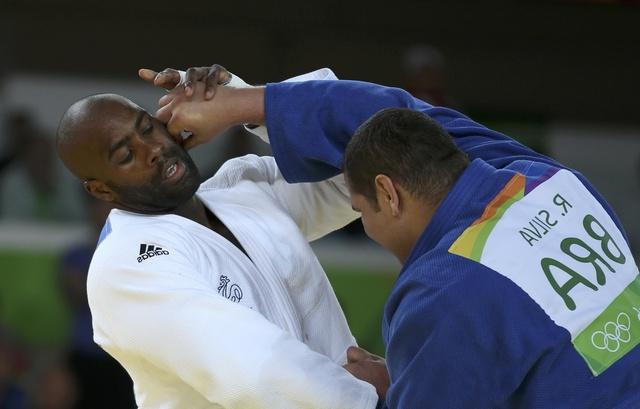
x,y
317,208
164,314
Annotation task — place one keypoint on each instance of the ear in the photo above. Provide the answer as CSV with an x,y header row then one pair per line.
x,y
387,194
99,190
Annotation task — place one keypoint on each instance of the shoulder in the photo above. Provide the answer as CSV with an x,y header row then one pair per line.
x,y
124,228
137,265
132,242
245,168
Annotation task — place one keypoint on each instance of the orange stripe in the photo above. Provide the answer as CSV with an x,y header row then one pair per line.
x,y
511,189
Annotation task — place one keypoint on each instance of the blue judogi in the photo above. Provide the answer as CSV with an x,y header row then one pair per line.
x,y
458,332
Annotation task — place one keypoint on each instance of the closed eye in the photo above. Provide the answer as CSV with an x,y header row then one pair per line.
x,y
127,158
147,130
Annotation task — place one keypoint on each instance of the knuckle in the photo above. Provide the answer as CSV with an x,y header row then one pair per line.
x,y
168,71
192,73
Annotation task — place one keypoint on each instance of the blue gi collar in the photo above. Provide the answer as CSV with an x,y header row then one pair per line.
x,y
478,183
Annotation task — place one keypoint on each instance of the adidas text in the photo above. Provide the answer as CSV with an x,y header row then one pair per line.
x,y
147,251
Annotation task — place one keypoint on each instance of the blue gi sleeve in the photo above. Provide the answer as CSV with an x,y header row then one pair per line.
x,y
310,124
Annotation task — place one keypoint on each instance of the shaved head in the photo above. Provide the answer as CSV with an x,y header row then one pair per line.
x,y
80,123
124,155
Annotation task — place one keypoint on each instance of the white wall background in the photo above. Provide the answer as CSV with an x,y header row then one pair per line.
x,y
609,156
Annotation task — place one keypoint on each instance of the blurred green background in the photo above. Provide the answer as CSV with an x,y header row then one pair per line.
x,y
33,308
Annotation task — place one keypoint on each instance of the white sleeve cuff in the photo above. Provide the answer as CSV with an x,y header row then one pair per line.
x,y
321,74
237,82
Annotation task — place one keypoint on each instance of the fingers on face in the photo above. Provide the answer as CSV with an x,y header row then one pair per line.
x,y
176,128
164,114
173,124
200,83
166,100
190,142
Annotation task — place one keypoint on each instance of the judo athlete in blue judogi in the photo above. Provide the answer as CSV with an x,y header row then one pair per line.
x,y
518,288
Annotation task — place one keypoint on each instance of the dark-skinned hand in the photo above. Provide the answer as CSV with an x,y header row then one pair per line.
x,y
369,368
169,78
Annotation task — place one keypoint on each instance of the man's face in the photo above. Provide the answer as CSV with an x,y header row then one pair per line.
x,y
381,218
373,219
136,158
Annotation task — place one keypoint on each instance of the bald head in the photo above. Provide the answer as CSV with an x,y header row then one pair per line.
x,y
125,156
85,125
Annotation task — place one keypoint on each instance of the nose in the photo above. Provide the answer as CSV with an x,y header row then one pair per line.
x,y
154,153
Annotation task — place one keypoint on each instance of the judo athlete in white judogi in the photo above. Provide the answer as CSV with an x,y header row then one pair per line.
x,y
210,296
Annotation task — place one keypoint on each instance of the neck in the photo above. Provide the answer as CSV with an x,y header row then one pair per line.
x,y
193,209
418,216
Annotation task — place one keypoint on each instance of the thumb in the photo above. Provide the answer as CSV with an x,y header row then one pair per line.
x,y
166,99
173,124
164,113
147,75
356,370
356,354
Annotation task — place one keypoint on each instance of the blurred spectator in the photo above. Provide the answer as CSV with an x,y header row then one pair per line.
x,y
425,75
12,149
32,150
56,389
93,368
11,394
635,239
6,159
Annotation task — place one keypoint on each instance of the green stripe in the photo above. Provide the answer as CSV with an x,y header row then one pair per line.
x,y
485,232
620,321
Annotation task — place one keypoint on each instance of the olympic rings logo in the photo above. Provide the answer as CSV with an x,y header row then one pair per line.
x,y
613,334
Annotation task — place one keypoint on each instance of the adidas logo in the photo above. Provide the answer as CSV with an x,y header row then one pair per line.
x,y
148,250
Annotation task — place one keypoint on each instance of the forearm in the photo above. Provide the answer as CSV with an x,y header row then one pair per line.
x,y
245,105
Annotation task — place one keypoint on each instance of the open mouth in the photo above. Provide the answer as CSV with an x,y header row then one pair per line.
x,y
174,172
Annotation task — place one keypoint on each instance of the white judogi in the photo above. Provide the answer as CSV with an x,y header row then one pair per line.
x,y
198,324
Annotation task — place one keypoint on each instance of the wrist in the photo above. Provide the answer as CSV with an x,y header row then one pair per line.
x,y
246,105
